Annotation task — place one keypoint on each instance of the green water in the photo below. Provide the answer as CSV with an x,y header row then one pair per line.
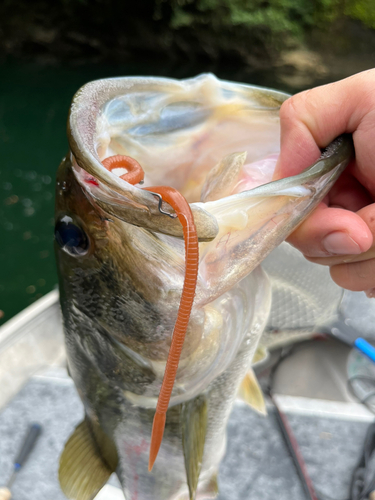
x,y
34,103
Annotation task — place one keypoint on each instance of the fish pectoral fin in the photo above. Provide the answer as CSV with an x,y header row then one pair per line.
x,y
251,393
82,471
194,428
261,354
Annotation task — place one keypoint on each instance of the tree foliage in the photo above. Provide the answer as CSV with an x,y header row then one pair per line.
x,y
254,31
363,10
277,15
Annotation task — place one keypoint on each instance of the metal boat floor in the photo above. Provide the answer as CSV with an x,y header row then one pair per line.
x,y
329,425
256,465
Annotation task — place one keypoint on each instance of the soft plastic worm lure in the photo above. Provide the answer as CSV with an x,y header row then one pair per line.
x,y
135,175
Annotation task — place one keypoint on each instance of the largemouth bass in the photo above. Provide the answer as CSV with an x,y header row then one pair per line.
x,y
120,255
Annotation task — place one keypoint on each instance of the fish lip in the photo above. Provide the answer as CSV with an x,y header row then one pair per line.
x,y
135,212
138,197
96,190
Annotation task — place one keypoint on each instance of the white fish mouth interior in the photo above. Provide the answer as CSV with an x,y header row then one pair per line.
x,y
178,134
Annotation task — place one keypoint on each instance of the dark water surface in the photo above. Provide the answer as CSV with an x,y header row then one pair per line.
x,y
34,103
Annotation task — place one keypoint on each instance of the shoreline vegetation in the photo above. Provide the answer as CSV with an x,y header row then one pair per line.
x,y
256,34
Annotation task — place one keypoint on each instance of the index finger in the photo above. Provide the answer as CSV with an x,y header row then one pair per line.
x,y
312,119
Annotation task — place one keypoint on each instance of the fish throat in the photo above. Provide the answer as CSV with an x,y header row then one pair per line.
x,y
135,175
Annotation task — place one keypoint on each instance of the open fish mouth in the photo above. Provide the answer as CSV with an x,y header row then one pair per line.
x,y
158,121
177,131
217,143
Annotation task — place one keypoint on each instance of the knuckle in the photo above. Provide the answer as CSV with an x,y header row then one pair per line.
x,y
294,107
288,108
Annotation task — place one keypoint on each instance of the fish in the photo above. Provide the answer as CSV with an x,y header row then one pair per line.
x,y
121,264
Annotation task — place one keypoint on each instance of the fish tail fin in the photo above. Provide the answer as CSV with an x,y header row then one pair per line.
x,y
156,437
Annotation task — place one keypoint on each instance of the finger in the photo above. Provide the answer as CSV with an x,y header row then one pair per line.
x,y
343,259
332,231
349,193
312,119
357,272
367,216
358,276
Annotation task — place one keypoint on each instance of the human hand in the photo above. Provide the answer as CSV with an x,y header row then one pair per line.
x,y
340,233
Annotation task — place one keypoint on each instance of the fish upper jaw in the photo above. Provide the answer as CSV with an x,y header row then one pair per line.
x,y
141,208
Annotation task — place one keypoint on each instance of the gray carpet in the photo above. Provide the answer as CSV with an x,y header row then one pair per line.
x,y
256,466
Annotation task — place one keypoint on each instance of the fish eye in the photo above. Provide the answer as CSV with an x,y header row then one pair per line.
x,y
70,237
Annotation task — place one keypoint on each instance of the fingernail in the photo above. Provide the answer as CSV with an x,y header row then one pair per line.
x,y
339,243
370,293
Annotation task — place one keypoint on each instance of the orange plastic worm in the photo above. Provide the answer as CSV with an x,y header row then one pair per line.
x,y
181,206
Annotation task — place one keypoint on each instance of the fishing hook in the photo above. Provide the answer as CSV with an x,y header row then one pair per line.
x,y
158,196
